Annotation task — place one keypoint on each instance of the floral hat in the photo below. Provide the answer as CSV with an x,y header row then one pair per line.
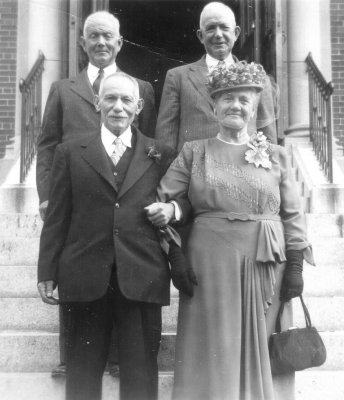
x,y
236,76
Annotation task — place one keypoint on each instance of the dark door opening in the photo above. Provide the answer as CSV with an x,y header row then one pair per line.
x,y
159,35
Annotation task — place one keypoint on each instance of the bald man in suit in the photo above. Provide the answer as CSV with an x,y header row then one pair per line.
x,y
186,110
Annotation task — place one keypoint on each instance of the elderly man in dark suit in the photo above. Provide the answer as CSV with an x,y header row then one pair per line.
x,y
70,110
99,248
70,113
186,110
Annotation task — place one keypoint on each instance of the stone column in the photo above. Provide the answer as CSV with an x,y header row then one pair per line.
x,y
306,29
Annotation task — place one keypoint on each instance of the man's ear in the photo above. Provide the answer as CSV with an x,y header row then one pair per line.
x,y
237,31
199,34
120,43
96,102
82,43
140,105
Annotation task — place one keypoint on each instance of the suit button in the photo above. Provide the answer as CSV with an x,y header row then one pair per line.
x,y
116,231
116,205
115,173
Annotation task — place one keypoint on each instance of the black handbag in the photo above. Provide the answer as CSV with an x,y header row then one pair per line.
x,y
297,348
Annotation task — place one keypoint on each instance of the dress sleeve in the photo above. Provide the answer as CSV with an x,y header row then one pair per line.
x,y
291,213
175,184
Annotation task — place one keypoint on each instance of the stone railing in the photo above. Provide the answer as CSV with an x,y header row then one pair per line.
x,y
320,116
31,115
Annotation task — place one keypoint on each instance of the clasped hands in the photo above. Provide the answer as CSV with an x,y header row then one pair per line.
x,y
182,275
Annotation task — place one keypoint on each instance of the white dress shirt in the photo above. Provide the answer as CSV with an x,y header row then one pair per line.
x,y
108,139
93,71
212,62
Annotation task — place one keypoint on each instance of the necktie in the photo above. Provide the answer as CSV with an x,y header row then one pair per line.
x,y
96,83
118,150
221,64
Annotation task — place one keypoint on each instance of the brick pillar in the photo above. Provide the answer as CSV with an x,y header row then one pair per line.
x,y
337,56
8,66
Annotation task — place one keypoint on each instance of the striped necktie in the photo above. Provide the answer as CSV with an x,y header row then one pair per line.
x,y
118,151
96,83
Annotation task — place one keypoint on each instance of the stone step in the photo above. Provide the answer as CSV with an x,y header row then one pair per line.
x,y
320,281
327,280
21,281
40,385
18,199
31,314
309,385
326,313
24,251
20,225
38,351
30,224
19,251
314,384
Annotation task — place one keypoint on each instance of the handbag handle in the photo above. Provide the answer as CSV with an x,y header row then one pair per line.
x,y
280,311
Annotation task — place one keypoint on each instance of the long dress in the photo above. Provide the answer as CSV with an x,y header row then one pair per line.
x,y
244,218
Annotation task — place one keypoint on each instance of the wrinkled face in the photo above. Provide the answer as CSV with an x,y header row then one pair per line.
x,y
218,33
234,109
118,103
102,42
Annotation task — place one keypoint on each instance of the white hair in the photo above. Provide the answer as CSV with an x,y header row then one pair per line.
x,y
121,74
97,16
216,5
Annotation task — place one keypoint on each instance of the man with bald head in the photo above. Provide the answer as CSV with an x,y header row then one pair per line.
x,y
70,113
186,109
101,251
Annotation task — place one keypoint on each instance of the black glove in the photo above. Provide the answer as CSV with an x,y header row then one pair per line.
x,y
183,276
292,283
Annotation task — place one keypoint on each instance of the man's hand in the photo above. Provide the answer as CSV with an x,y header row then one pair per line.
x,y
160,214
46,289
43,209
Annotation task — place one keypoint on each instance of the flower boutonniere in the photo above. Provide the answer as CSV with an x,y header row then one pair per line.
x,y
154,154
259,149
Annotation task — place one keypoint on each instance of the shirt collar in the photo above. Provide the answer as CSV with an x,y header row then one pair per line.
x,y
212,62
108,138
92,71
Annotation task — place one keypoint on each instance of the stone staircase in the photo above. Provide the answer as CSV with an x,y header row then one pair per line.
x,y
29,328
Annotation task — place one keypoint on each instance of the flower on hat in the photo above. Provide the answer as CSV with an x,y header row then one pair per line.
x,y
259,149
240,74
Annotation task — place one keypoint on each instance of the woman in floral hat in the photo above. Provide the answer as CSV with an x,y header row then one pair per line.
x,y
246,246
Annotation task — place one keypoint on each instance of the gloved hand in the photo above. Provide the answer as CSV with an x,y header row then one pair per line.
x,y
183,276
292,283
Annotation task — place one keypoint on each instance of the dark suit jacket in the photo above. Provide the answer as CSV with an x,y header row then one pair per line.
x,y
91,224
70,112
187,112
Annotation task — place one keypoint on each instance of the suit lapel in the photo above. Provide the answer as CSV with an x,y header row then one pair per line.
x,y
197,73
139,163
95,155
81,86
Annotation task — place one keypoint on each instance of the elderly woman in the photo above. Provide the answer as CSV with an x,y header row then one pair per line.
x,y
246,247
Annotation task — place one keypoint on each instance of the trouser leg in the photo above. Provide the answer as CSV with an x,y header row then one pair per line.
x,y
139,334
87,349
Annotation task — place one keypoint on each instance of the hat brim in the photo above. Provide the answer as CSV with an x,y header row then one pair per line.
x,y
253,86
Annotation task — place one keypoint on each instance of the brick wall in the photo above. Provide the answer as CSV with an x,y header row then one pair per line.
x,y
337,43
8,64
